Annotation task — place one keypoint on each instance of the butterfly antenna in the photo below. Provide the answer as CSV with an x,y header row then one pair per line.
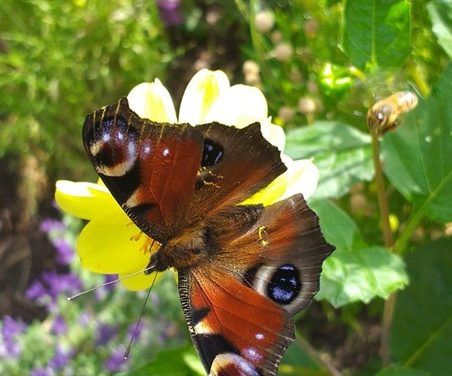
x,y
79,294
137,326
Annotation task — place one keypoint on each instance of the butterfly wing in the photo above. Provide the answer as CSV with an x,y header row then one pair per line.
x,y
236,164
150,168
235,330
266,268
167,177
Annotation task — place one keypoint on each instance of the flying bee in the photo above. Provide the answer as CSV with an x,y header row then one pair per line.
x,y
384,115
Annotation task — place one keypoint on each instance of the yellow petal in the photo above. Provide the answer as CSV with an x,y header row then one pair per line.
x,y
110,244
302,177
270,194
201,93
84,200
151,100
240,106
139,282
273,134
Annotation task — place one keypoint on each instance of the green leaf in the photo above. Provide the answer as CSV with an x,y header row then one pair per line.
x,y
361,275
175,362
377,32
355,271
418,155
337,227
401,371
342,154
440,12
422,326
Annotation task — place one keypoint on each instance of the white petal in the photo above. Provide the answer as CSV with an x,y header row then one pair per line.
x,y
273,134
240,106
302,177
151,100
201,93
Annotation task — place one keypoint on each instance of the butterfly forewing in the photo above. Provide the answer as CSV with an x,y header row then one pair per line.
x,y
150,168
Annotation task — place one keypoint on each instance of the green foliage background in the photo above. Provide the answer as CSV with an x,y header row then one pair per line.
x,y
61,60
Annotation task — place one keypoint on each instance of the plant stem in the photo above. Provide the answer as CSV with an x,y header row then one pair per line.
x,y
381,192
321,361
389,305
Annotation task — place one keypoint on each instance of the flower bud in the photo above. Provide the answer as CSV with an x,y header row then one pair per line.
x,y
306,105
283,51
276,37
264,21
310,28
286,113
250,67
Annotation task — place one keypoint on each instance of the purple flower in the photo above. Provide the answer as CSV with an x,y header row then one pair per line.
x,y
59,326
36,290
65,253
57,284
170,12
51,284
110,278
116,362
105,333
41,372
49,225
60,359
10,330
85,319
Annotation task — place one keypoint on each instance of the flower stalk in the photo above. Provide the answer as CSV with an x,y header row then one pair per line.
x,y
389,304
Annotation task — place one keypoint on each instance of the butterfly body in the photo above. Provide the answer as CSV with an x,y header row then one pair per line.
x,y
244,270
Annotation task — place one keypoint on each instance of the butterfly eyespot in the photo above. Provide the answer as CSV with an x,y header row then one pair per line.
x,y
212,153
285,285
114,147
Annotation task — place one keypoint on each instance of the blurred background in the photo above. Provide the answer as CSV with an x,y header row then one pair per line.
x,y
321,65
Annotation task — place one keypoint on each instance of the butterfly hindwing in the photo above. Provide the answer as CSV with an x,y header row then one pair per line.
x,y
281,254
235,330
266,268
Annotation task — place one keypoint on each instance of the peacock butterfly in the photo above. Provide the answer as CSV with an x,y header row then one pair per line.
x,y
244,270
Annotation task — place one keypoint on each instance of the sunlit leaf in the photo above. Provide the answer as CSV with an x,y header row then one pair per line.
x,y
418,155
422,326
168,362
355,271
401,371
377,32
341,153
440,12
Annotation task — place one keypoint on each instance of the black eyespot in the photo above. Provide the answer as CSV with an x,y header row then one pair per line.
x,y
212,153
285,285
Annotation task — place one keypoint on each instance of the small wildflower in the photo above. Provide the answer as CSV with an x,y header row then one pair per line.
x,y
264,21
60,359
47,371
59,326
116,361
65,253
105,333
50,225
11,328
170,12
